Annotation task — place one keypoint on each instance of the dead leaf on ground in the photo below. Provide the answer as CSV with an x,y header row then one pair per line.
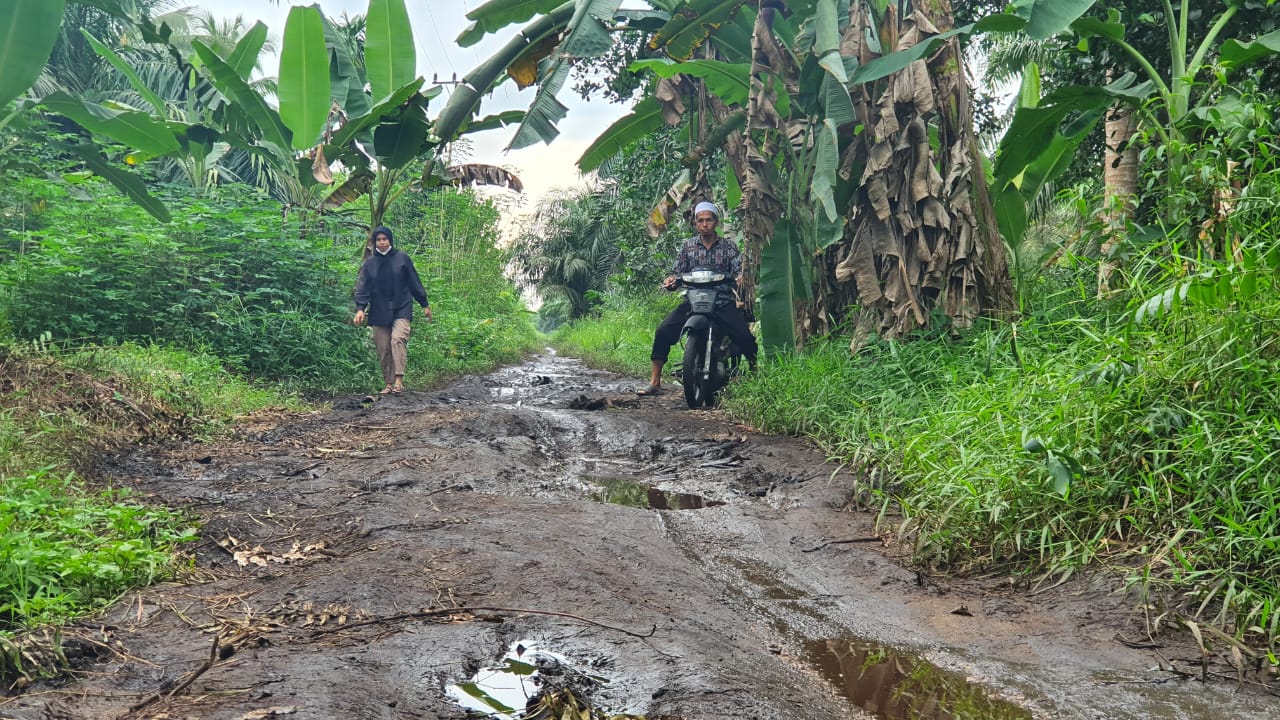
x,y
260,556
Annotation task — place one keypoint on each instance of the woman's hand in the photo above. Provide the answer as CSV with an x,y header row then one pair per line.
x,y
359,318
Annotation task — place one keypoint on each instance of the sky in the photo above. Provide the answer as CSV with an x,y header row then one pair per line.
x,y
436,25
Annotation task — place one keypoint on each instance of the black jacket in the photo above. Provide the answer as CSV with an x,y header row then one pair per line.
x,y
387,286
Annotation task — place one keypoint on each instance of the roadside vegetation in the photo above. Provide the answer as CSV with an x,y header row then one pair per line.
x,y
1122,420
1059,358
117,328
1135,433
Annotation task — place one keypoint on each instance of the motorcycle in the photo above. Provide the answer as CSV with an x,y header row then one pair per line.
x,y
710,355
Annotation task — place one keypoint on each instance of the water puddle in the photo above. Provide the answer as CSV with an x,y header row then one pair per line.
x,y
623,491
898,686
503,690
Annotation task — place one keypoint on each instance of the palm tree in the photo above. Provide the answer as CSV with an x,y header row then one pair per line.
x,y
569,253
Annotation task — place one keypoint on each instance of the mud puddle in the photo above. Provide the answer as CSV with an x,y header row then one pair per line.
x,y
632,493
436,528
893,685
503,690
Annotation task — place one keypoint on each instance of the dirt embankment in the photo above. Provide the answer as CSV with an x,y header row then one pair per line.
x,y
369,561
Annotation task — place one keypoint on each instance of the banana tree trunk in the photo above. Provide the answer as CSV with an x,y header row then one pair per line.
x,y
752,158
921,239
1120,186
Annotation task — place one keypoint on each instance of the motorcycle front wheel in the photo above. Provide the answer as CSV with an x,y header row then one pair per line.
x,y
696,393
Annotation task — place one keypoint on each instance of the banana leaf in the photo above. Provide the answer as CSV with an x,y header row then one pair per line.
x,y
244,58
779,289
128,183
390,58
497,14
643,120
28,31
692,25
127,126
127,70
304,90
224,77
731,82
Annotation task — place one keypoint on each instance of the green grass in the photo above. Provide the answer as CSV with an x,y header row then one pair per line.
x,y
66,550
69,548
1073,438
620,336
61,408
1154,449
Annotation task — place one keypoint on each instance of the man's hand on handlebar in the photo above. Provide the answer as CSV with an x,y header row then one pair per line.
x,y
669,282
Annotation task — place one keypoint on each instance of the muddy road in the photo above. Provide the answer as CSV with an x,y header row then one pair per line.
x,y
417,556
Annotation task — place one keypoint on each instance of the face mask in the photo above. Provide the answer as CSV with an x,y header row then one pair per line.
x,y
382,252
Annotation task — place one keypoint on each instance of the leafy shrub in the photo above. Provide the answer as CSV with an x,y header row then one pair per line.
x,y
225,274
65,550
229,276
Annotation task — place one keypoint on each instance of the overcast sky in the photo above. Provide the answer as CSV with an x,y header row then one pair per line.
x,y
436,25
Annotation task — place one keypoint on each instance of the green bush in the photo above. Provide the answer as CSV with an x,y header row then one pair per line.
x,y
227,274
65,550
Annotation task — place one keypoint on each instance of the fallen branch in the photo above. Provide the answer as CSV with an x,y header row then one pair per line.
x,y
839,541
186,682
420,614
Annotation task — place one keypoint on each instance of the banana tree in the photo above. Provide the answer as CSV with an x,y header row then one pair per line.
x,y
823,220
324,114
382,138
1044,133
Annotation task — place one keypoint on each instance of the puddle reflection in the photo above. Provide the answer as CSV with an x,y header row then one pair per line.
x,y
502,691
897,686
621,491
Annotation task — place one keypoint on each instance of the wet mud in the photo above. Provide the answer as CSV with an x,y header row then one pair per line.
x,y
544,527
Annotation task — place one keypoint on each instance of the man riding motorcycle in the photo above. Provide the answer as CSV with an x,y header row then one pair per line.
x,y
710,251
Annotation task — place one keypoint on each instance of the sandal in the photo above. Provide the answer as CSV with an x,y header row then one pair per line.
x,y
397,390
649,391
386,390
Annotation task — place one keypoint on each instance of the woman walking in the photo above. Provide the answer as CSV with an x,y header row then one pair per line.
x,y
385,292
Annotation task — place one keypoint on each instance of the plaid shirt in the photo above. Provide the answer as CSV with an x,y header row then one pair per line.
x,y
723,257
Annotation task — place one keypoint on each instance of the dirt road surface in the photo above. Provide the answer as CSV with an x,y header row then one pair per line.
x,y
371,561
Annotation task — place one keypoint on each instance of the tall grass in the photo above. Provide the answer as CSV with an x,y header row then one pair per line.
x,y
1067,440
619,336
227,273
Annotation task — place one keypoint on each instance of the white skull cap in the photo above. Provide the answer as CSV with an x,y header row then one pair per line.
x,y
706,207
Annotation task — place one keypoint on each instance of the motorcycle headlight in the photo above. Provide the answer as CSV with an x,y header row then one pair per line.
x,y
704,276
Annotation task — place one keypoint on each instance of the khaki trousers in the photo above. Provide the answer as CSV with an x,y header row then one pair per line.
x,y
393,349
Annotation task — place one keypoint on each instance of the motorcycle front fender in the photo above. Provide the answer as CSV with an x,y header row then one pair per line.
x,y
695,323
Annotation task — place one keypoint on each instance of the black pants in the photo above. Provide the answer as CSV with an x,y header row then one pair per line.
x,y
668,332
